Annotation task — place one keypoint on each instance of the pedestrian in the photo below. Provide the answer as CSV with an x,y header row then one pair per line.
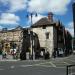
x,y
47,55
4,54
54,54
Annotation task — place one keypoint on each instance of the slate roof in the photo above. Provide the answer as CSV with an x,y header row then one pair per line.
x,y
42,22
12,30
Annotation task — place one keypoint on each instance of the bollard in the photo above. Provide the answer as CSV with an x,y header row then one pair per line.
x,y
67,70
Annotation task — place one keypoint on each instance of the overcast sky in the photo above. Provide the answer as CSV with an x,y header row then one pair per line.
x,y
13,12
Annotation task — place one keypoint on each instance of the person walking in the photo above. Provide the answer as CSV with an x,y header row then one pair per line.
x,y
4,54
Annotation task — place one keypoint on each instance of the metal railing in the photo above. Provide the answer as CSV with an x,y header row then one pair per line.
x,y
70,70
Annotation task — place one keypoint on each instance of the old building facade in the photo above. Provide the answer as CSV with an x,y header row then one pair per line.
x,y
11,38
51,35
23,40
46,35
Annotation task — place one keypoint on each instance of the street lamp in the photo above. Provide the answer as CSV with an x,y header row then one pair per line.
x,y
31,16
13,45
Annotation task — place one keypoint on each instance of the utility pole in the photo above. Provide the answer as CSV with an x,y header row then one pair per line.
x,y
13,44
72,43
31,35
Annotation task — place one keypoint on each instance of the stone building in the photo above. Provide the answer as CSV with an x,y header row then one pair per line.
x,y
51,35
73,6
46,35
11,38
30,44
68,43
23,40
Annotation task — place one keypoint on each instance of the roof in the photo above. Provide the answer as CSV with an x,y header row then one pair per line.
x,y
18,28
42,22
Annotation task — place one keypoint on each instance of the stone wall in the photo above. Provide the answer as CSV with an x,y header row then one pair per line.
x,y
47,43
55,37
11,36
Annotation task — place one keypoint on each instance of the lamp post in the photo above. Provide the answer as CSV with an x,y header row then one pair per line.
x,y
13,45
31,16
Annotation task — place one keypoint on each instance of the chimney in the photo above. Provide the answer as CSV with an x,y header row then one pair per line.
x,y
50,16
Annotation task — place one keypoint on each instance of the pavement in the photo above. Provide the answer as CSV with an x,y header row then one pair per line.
x,y
8,58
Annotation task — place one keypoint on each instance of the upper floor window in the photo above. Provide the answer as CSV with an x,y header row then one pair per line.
x,y
44,27
47,35
60,38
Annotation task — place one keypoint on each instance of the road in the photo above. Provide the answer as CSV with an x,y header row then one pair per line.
x,y
55,66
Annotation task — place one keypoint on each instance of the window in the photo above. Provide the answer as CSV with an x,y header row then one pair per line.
x,y
60,38
47,35
44,27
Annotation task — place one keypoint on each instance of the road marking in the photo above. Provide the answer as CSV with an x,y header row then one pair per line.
x,y
53,65
25,65
47,66
71,60
39,64
1,69
12,67
60,67
73,73
43,65
50,66
66,63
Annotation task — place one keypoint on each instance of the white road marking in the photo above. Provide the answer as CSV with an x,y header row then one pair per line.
x,y
43,65
49,66
66,63
73,73
60,67
12,67
25,65
71,60
1,69
40,64
53,65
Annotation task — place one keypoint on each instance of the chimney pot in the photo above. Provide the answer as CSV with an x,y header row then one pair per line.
x,y
50,16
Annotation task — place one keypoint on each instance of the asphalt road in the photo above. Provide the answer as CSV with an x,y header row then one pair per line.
x,y
37,67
